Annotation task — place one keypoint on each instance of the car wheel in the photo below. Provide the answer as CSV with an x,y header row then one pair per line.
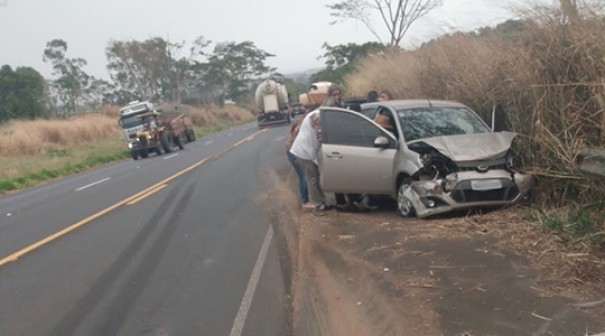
x,y
404,206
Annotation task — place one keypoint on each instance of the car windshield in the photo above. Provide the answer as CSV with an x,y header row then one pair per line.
x,y
428,122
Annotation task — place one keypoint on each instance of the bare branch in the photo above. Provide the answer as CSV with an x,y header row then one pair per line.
x,y
397,15
354,9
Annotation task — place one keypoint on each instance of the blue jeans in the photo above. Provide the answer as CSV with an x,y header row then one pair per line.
x,y
302,184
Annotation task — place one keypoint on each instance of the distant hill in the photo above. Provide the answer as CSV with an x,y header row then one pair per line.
x,y
303,76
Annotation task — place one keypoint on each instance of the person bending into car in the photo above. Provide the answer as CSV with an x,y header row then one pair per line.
x,y
304,148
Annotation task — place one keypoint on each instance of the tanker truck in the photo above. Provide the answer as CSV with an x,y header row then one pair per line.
x,y
272,102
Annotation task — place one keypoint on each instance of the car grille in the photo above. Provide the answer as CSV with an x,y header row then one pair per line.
x,y
482,166
475,168
463,193
132,136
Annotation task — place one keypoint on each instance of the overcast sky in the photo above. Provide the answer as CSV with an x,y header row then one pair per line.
x,y
293,30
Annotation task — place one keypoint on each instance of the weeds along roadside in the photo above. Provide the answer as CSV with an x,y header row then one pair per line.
x,y
35,151
548,73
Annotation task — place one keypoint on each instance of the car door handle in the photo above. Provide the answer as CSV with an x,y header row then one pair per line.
x,y
334,155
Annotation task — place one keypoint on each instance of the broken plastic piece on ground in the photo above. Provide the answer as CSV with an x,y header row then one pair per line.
x,y
591,304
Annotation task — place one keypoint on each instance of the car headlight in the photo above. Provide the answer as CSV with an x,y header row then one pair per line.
x,y
130,145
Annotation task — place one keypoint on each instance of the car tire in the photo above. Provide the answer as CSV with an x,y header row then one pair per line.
x,y
405,208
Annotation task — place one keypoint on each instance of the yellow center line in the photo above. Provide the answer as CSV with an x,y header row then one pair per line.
x,y
132,199
151,192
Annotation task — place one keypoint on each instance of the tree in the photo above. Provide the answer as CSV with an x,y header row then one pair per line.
x,y
232,67
142,68
73,85
341,59
21,93
154,68
396,15
185,77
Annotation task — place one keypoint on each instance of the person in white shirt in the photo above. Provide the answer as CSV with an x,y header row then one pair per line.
x,y
305,148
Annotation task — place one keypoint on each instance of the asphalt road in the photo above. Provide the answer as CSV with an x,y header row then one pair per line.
x,y
178,244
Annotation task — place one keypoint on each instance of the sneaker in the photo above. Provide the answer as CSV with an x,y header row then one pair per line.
x,y
308,207
323,207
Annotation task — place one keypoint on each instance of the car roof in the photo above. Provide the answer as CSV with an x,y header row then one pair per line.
x,y
411,103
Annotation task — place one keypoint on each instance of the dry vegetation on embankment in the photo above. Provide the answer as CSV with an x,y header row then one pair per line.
x,y
36,150
548,74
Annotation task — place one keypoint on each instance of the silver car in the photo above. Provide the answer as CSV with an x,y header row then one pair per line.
x,y
431,156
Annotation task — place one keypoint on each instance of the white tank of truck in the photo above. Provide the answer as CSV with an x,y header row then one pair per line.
x,y
271,96
271,100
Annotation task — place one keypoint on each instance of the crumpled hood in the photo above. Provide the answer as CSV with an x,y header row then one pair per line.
x,y
473,147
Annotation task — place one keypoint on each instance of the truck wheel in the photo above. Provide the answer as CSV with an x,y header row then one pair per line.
x,y
134,154
144,153
190,135
165,142
179,142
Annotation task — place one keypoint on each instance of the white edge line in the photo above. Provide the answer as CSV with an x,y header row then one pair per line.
x,y
240,318
208,142
93,184
170,156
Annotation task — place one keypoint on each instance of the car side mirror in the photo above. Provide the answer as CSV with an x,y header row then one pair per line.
x,y
499,119
381,142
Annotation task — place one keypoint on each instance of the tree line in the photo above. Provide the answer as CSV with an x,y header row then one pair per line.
x,y
154,69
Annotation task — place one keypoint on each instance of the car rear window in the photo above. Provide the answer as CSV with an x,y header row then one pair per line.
x,y
428,122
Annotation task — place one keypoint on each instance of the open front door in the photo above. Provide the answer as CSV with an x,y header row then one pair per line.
x,y
349,160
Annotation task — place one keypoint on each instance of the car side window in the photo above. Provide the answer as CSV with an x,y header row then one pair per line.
x,y
343,128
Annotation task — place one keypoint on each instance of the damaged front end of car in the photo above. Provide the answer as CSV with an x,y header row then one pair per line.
x,y
463,172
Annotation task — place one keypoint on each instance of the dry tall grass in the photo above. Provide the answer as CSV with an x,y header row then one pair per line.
x,y
22,138
549,76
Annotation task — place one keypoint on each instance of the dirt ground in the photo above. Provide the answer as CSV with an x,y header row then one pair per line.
x,y
376,273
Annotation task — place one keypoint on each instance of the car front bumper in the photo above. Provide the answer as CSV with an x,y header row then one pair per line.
x,y
468,190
